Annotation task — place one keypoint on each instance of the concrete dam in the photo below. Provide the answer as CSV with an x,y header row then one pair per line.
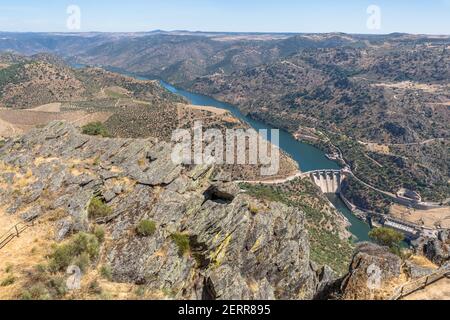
x,y
329,181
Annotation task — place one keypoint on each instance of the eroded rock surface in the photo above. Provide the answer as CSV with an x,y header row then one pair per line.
x,y
438,250
239,247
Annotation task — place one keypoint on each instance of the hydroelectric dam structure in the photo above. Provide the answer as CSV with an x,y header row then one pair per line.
x,y
329,181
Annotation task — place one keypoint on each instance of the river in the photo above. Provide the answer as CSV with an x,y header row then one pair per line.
x,y
307,156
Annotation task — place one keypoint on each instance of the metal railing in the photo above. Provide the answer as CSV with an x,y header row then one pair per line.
x,y
14,232
420,284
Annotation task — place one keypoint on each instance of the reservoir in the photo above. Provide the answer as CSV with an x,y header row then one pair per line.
x,y
307,156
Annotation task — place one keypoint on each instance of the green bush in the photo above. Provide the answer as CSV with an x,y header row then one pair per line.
x,y
95,288
99,233
182,242
37,292
105,272
81,249
387,237
57,286
146,228
98,209
9,280
82,261
96,129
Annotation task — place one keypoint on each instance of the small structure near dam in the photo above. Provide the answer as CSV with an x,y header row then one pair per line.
x,y
329,181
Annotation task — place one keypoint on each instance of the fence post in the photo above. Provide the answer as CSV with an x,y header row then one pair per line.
x,y
17,231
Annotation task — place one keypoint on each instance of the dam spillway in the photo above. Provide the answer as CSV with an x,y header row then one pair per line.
x,y
329,181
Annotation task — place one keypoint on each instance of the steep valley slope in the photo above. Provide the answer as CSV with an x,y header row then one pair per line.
x,y
380,100
139,226
209,238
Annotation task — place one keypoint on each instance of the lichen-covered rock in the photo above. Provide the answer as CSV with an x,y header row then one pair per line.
x,y
416,272
212,241
374,274
438,250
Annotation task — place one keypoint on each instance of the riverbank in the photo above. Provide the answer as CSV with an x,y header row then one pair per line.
x,y
308,157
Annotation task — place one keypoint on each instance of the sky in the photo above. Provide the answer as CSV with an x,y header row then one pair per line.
x,y
350,16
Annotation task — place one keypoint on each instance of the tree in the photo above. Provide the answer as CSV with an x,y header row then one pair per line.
x,y
387,237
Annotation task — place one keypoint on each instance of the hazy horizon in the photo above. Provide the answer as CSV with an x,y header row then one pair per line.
x,y
232,16
222,32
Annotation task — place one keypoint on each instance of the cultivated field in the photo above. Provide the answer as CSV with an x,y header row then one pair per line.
x,y
15,122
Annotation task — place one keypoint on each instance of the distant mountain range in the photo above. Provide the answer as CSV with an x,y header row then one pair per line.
x,y
390,90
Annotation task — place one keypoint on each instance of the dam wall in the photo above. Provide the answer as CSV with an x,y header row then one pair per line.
x,y
329,181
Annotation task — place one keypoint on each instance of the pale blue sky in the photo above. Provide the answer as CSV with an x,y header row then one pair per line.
x,y
412,16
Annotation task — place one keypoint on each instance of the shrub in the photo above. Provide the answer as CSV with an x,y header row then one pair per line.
x,y
182,242
105,272
81,249
8,268
146,228
61,257
99,233
9,280
98,209
36,292
82,261
57,287
387,237
140,291
96,129
95,288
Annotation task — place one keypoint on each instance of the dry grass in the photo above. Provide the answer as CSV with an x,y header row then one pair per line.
x,y
15,122
50,107
22,253
377,148
423,262
429,218
213,110
437,291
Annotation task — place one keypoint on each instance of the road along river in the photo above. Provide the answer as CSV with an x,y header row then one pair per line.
x,y
309,158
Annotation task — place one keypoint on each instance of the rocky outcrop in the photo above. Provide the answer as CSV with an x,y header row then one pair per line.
x,y
438,250
374,274
236,246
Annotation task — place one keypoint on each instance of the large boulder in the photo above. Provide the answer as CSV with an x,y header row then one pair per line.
x,y
438,250
374,274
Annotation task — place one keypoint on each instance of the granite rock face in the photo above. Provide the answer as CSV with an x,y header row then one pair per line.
x,y
234,250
